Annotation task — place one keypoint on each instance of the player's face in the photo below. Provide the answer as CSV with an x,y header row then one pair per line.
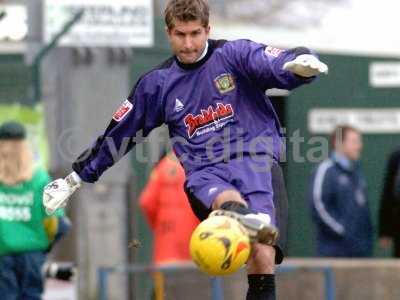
x,y
188,40
352,145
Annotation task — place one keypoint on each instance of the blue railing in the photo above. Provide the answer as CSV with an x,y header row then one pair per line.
x,y
215,282
329,277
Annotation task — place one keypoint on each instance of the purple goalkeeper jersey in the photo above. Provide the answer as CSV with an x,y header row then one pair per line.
x,y
216,109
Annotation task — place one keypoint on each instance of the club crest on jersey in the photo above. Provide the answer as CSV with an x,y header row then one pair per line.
x,y
209,120
224,83
123,110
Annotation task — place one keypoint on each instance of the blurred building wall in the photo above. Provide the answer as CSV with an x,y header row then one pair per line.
x,y
346,86
79,101
82,87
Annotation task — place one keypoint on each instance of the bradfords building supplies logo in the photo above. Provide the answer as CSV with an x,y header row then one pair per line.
x,y
209,120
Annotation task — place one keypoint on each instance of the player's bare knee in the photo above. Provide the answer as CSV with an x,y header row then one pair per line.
x,y
261,260
228,195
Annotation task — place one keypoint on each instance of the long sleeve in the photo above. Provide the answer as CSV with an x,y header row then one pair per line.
x,y
141,112
323,198
263,64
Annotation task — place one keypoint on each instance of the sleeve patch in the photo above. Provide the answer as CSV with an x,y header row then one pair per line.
x,y
123,110
273,51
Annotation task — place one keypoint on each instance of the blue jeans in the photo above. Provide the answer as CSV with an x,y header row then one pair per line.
x,y
21,276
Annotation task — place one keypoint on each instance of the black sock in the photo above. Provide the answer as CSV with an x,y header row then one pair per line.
x,y
237,207
261,287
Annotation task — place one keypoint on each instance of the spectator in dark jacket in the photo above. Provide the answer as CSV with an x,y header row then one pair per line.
x,y
389,221
338,198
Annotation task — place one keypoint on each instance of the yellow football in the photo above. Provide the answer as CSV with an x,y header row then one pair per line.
x,y
220,245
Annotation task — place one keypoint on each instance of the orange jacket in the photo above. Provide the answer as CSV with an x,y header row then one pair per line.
x,y
168,212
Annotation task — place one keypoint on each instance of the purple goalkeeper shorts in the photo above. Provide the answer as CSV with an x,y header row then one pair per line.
x,y
252,178
260,182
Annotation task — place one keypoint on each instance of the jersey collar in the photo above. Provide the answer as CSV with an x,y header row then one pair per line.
x,y
343,161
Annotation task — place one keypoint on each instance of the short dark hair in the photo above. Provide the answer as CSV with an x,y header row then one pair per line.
x,y
339,134
185,11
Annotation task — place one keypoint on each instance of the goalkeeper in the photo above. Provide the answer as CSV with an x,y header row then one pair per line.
x,y
27,232
224,130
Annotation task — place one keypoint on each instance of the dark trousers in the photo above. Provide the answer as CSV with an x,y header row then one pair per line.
x,y
21,276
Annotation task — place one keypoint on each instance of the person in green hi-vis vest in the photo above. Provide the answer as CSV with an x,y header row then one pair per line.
x,y
27,233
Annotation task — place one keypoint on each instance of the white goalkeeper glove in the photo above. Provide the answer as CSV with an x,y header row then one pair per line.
x,y
306,65
57,192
